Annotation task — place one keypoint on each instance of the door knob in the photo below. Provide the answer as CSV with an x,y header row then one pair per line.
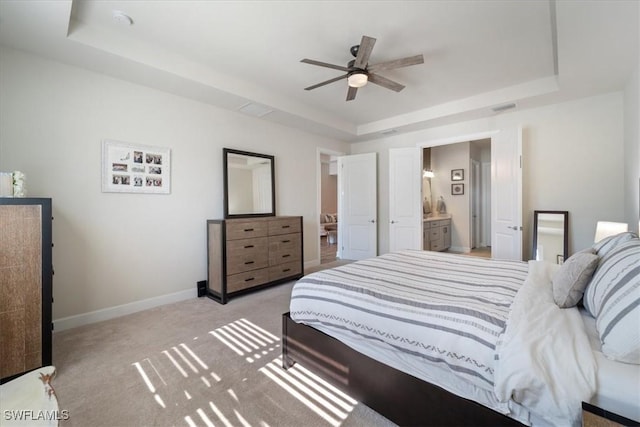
x,y
372,221
393,222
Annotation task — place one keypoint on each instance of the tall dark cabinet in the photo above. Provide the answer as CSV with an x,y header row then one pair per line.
x,y
26,279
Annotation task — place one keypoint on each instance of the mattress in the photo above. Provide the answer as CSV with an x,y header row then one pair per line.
x,y
466,305
455,321
618,383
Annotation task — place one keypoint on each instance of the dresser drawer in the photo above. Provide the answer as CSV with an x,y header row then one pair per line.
x,y
283,256
246,229
284,226
285,242
285,270
247,254
435,233
249,279
440,223
437,245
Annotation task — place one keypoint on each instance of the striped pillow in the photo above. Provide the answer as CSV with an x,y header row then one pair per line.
x,y
613,297
605,245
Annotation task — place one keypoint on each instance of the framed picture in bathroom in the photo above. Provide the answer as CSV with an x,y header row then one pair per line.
x,y
457,174
457,189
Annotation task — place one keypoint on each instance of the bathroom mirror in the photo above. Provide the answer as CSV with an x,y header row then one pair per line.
x,y
249,184
550,236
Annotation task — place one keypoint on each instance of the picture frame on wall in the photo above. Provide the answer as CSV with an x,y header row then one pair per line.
x,y
457,174
457,189
135,168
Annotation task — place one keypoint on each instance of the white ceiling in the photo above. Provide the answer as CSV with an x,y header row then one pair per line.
x,y
478,54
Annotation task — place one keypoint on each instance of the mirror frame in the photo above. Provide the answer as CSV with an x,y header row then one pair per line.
x,y
225,173
565,242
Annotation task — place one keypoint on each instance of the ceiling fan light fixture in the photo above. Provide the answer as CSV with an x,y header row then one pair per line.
x,y
357,79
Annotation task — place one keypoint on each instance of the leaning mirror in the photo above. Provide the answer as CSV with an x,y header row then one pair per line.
x,y
249,184
550,236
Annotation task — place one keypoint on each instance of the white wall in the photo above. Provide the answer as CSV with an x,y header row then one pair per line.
x,y
632,150
573,160
329,194
444,158
114,249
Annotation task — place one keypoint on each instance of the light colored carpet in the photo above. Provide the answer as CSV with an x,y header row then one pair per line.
x,y
194,362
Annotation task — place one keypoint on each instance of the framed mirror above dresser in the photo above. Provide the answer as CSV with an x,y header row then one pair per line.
x,y
249,184
251,248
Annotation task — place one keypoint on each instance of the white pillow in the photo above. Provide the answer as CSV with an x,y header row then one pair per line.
x,y
571,279
613,297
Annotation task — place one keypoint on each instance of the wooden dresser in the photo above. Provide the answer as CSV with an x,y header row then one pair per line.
x,y
246,254
26,277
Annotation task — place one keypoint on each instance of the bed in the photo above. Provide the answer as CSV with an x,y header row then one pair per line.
x,y
429,338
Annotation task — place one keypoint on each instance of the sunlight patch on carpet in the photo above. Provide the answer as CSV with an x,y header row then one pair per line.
x,y
247,339
318,395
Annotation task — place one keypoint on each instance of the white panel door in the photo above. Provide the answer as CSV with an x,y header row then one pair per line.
x,y
506,194
357,206
405,208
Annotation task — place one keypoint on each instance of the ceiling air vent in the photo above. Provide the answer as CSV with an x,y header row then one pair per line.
x,y
501,108
255,110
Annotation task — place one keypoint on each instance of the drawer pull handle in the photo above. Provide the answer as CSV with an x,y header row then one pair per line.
x,y
286,226
248,262
249,279
248,246
286,241
286,255
248,229
286,269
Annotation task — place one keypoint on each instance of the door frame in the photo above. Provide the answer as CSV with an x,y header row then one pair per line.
x,y
475,221
491,135
456,139
319,152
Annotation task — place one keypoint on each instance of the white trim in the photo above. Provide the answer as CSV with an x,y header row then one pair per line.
x,y
455,139
121,310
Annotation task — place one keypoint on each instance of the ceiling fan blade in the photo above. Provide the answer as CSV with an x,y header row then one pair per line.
x,y
396,63
335,79
324,64
364,52
351,93
386,83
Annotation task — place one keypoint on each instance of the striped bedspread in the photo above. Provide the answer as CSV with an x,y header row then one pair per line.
x,y
444,309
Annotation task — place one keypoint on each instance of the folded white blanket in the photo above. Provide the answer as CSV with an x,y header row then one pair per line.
x,y
545,360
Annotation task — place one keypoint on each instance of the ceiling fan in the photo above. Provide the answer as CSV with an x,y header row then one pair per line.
x,y
359,72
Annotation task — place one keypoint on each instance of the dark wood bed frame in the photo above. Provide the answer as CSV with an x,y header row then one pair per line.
x,y
402,398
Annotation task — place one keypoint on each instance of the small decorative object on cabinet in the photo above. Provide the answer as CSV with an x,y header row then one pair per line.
x,y
592,416
26,276
246,254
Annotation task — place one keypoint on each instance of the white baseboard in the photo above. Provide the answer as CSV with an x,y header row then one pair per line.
x,y
121,310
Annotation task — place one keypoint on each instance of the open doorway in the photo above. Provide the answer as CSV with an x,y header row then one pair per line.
x,y
459,190
328,203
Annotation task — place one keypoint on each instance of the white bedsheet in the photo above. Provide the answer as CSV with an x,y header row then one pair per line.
x,y
545,358
618,383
